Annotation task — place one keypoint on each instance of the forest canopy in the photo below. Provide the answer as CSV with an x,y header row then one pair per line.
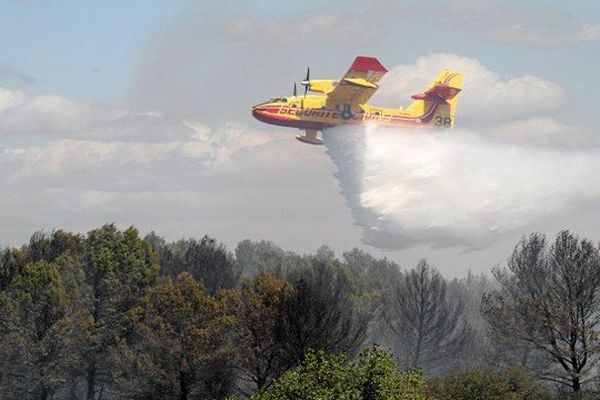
x,y
113,314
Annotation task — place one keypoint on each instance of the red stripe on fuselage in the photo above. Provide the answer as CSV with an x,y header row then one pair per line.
x,y
271,115
280,120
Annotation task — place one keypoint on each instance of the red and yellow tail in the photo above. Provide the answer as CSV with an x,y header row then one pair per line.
x,y
441,94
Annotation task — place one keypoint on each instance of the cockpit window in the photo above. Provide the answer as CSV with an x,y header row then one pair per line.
x,y
278,99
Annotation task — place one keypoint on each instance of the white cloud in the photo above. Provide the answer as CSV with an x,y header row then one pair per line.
x,y
487,98
77,165
53,116
10,98
544,131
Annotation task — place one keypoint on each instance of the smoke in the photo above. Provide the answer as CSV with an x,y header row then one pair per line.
x,y
459,188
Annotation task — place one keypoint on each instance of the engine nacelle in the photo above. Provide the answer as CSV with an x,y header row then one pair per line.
x,y
321,85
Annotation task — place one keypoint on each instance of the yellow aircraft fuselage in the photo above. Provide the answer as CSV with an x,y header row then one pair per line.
x,y
312,113
343,103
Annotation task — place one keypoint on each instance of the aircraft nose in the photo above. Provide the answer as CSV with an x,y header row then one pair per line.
x,y
262,113
261,109
258,111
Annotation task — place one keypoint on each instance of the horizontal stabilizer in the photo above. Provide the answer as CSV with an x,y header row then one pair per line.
x,y
438,93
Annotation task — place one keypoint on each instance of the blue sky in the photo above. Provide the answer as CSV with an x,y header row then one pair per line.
x,y
83,49
138,112
91,50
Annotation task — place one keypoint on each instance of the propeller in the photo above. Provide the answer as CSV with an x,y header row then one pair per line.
x,y
295,90
306,81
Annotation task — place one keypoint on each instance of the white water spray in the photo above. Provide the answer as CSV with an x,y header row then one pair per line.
x,y
458,188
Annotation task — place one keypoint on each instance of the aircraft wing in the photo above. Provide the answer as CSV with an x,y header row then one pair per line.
x,y
358,84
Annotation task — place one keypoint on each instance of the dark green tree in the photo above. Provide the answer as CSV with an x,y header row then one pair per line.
x,y
178,344
35,332
211,263
119,266
206,260
261,357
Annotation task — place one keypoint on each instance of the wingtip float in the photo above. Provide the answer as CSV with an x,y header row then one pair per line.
x,y
344,102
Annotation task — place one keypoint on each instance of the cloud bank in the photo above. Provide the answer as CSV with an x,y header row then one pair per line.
x,y
73,164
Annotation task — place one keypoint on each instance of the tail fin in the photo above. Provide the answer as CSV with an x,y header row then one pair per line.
x,y
443,92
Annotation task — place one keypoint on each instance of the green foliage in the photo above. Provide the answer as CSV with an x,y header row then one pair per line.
x,y
43,246
258,257
178,340
206,260
120,256
321,377
39,284
261,355
109,315
11,262
119,267
506,384
36,330
211,263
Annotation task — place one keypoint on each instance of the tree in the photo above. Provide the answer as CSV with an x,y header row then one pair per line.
x,y
321,377
49,247
375,278
206,260
261,356
377,274
11,261
266,257
549,301
425,321
119,267
178,339
322,312
258,257
488,384
38,330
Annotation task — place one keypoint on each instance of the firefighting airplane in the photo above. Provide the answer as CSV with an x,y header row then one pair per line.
x,y
345,102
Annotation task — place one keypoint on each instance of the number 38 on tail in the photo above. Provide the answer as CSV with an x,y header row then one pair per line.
x,y
345,102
